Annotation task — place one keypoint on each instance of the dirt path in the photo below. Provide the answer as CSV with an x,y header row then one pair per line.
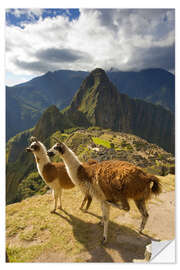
x,y
161,222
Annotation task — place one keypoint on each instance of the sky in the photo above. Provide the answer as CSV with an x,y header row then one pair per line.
x,y
42,40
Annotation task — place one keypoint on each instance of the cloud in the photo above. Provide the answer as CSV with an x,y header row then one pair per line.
x,y
153,57
34,66
125,39
54,55
51,59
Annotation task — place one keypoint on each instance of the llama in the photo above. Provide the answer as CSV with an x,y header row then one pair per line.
x,y
111,182
54,173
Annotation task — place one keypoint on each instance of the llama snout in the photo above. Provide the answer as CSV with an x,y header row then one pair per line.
x,y
28,149
50,153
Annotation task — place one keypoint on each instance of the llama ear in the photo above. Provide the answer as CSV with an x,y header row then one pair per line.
x,y
60,147
33,139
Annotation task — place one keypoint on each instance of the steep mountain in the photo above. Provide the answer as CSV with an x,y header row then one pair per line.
x,y
27,101
19,163
153,85
96,103
51,121
100,103
19,115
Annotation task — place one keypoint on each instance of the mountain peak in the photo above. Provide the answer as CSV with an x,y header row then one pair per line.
x,y
99,74
99,103
94,86
51,121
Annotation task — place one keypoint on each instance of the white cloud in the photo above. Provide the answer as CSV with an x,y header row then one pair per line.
x,y
30,13
123,39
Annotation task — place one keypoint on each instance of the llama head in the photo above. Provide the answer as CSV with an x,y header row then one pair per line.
x,y
58,148
35,146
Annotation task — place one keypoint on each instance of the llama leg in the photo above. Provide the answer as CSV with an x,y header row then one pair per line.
x,y
55,193
60,201
105,218
89,198
142,209
83,202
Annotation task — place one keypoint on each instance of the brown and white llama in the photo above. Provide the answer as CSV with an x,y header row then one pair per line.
x,y
111,182
53,173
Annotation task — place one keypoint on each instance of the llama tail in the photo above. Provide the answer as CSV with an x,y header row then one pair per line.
x,y
156,188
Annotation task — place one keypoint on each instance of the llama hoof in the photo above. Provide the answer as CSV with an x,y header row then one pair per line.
x,y
60,207
104,241
83,210
53,211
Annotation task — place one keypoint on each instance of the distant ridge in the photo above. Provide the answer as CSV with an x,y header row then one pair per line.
x,y
26,102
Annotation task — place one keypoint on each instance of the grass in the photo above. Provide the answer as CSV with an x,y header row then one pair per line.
x,y
33,234
102,142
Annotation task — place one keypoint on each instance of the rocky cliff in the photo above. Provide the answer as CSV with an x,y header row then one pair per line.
x,y
99,102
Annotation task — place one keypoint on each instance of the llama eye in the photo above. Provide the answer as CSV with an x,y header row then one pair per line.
x,y
59,148
35,147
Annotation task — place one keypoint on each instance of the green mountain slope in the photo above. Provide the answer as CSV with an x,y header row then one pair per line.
x,y
26,102
19,163
99,102
22,178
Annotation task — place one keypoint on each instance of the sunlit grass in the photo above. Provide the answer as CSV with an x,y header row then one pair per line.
x,y
102,142
32,231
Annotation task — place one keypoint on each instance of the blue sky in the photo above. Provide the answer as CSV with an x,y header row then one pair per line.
x,y
18,16
42,40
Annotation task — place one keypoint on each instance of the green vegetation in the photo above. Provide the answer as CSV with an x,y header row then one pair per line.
x,y
94,128
160,156
89,101
22,176
71,130
35,235
102,142
60,136
126,146
139,145
30,186
51,121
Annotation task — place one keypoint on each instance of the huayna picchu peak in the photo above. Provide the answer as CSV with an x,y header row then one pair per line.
x,y
99,103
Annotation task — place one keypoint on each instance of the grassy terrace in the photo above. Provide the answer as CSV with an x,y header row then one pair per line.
x,y
102,142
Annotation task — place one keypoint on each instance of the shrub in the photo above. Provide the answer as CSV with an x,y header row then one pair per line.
x,y
139,145
126,146
71,130
30,186
112,145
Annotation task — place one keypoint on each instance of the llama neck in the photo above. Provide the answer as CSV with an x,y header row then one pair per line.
x,y
72,164
41,160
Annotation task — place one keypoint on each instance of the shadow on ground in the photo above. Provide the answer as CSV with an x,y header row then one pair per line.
x,y
124,244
